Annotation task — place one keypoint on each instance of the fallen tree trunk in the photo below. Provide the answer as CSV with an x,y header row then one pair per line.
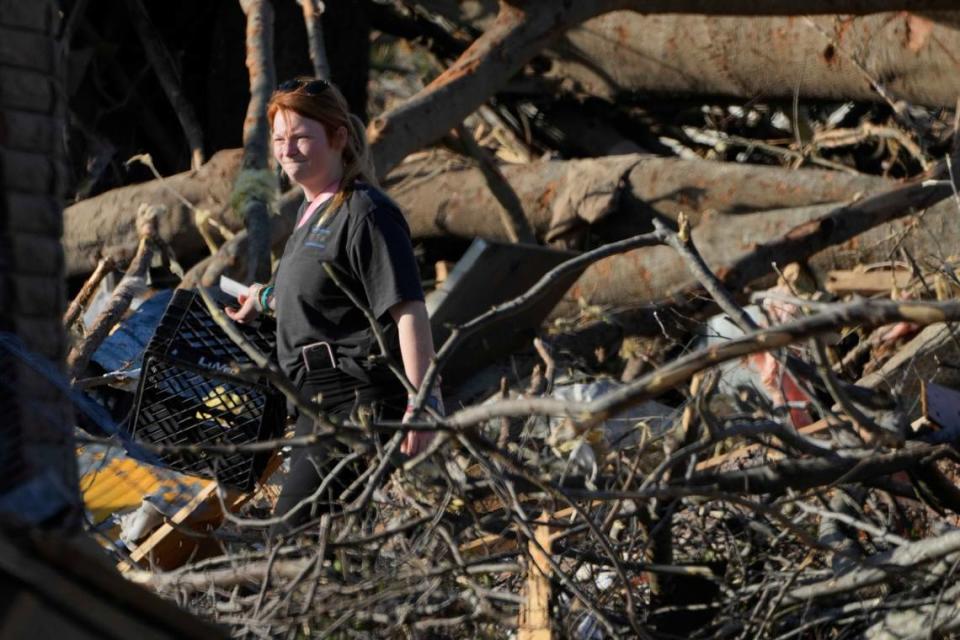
x,y
481,12
770,51
93,227
747,58
562,197
742,249
914,57
450,198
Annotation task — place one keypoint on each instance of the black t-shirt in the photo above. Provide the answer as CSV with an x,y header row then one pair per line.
x,y
366,241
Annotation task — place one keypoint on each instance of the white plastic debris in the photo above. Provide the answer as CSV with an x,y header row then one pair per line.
x,y
136,525
621,430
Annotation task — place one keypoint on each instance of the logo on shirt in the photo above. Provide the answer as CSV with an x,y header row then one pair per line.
x,y
317,236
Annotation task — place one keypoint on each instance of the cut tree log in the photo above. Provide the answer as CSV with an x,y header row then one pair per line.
x,y
841,58
442,196
913,56
769,50
482,12
93,227
744,249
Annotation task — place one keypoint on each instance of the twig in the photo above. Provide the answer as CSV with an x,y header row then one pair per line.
x,y
878,567
133,282
104,266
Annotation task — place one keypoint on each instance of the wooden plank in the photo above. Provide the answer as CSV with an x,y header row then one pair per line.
x,y
867,282
169,547
144,549
490,544
534,620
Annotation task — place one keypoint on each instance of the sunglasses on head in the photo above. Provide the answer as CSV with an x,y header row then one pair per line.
x,y
309,87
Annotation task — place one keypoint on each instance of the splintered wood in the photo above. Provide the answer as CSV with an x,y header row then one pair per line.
x,y
535,611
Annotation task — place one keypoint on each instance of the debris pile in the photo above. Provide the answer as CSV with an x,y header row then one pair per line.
x,y
699,347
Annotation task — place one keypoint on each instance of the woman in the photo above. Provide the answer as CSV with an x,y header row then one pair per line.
x,y
323,338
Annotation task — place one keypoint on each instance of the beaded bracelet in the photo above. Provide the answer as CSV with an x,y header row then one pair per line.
x,y
263,297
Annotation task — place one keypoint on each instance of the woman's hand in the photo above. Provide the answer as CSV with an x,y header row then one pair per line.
x,y
249,306
416,351
417,441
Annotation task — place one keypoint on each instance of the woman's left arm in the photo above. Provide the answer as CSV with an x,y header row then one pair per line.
x,y
416,351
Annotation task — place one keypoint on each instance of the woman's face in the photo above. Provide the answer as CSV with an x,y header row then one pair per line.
x,y
305,152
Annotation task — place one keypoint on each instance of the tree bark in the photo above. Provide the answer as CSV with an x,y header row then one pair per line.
x,y
622,193
108,221
510,211
313,19
255,188
445,197
768,50
742,249
914,57
482,11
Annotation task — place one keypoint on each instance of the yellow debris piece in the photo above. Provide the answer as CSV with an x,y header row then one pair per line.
x,y
121,484
220,398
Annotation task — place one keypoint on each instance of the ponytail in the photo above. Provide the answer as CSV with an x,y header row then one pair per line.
x,y
357,162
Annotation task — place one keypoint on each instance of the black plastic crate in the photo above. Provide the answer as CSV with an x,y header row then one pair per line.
x,y
187,333
188,396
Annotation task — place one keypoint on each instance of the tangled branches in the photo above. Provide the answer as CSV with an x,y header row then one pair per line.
x,y
838,526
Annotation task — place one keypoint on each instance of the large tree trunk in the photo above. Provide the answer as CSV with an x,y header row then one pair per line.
x,y
481,12
444,198
772,54
107,222
38,475
738,248
912,56
563,197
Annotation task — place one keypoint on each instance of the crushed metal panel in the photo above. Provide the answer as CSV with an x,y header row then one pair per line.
x,y
488,274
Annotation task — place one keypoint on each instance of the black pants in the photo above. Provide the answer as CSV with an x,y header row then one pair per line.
x,y
341,395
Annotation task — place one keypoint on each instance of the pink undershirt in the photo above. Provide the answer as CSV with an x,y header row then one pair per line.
x,y
325,194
